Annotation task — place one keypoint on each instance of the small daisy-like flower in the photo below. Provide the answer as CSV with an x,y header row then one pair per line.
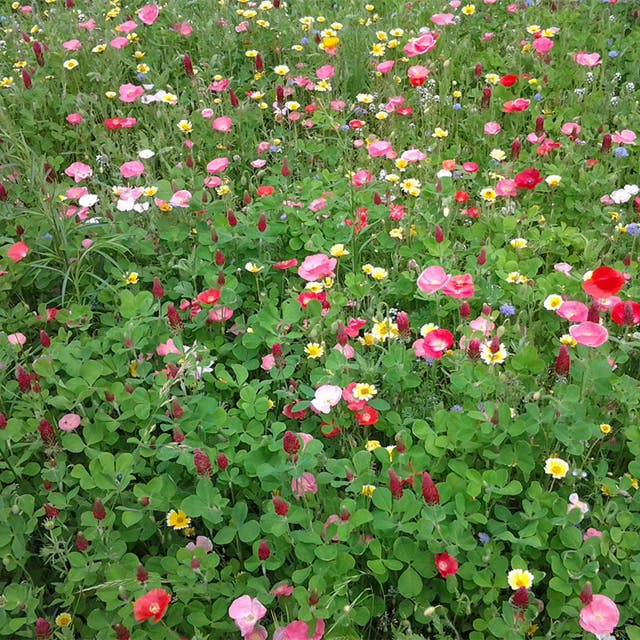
x,y
379,273
251,267
492,78
411,186
568,339
367,490
488,194
372,445
553,180
367,269
497,154
338,251
364,391
314,287
439,133
518,578
518,243
397,233
490,357
364,98
552,302
252,53
185,126
512,277
70,64
99,48
605,429
142,68
556,467
469,9
281,70
63,620
131,277
314,350
178,519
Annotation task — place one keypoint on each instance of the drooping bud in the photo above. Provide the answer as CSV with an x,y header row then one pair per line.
x,y
231,218
45,340
26,79
314,598
262,223
280,95
586,595
285,172
219,259
402,322
233,99
202,463
494,347
563,361
157,290
37,52
606,143
178,436
465,310
477,71
438,234
291,443
175,322
176,410
188,66
516,146
280,506
221,278
539,125
3,421
473,350
520,598
486,309
142,575
628,319
482,256
486,98
42,629
259,63
429,490
401,447
122,633
47,434
23,379
82,544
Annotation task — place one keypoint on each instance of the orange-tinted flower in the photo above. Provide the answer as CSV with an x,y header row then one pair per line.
x,y
151,605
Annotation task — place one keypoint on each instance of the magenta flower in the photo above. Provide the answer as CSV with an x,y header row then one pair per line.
x,y
432,279
379,149
626,136
119,43
543,46
245,612
573,311
590,334
587,59
459,287
217,165
434,344
72,45
442,19
298,630
424,43
223,123
70,422
127,27
600,616
316,267
78,171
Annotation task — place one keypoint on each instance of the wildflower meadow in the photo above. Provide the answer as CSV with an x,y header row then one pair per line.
x,y
319,319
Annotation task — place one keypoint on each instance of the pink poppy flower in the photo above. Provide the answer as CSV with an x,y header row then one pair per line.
x,y
515,106
563,267
180,199
130,92
70,422
223,124
316,267
626,136
297,630
119,43
127,27
165,348
325,72
571,129
379,149
78,171
202,542
442,19
221,314
245,612
306,483
587,59
282,590
424,43
432,279
183,28
74,118
285,264
600,616
149,14
506,188
268,362
413,155
434,344
459,287
318,204
482,325
89,25
470,167
217,165
492,128
132,169
591,533
17,251
590,334
72,45
326,397
417,75
360,178
16,339
543,46
346,350
573,311
385,66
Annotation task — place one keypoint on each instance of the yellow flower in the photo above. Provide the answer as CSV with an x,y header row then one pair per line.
x,y
489,357
378,49
518,578
497,154
63,620
469,9
553,180
252,53
568,339
533,28
364,98
556,467
381,115
110,95
178,519
512,277
492,78
338,251
142,68
390,449
397,233
314,350
379,273
364,391
605,429
488,194
367,268
185,126
72,63
367,340
6,82
372,445
138,55
149,192
253,268
367,490
131,278
518,243
281,70
439,133
99,48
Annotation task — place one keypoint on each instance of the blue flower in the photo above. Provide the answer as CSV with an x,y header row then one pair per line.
x,y
633,229
484,538
620,152
456,408
613,54
507,310
457,106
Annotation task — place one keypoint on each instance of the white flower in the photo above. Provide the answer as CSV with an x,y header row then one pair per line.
x,y
88,201
146,154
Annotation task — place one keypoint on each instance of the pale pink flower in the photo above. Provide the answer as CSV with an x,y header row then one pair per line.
x,y
325,72
70,422
318,204
571,129
591,533
223,123
316,267
626,136
589,334
217,165
482,325
127,27
183,28
119,43
573,311
78,171
258,163
220,314
297,630
543,46
432,279
130,92
306,483
180,199
576,503
563,267
600,616
326,397
346,350
268,362
413,155
587,59
506,188
420,45
379,149
385,66
17,339
492,128
282,590
245,612
72,45
89,25
165,348
132,169
149,14
202,542
360,178
442,19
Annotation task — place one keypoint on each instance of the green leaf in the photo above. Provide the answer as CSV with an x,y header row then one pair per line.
x,y
130,518
249,531
225,535
410,583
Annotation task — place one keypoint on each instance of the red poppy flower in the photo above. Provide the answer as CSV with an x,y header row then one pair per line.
x,y
285,264
508,80
515,106
604,282
461,197
151,605
367,416
17,251
264,190
527,179
626,313
210,296
446,565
